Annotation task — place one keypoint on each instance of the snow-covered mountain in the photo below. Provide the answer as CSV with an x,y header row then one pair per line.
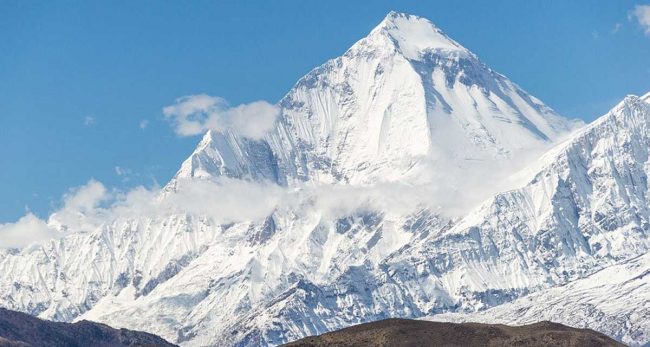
x,y
405,114
401,104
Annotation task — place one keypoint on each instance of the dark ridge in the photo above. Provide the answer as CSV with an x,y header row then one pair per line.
x,y
19,329
412,333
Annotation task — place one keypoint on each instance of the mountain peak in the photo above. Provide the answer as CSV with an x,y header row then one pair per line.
x,y
401,103
393,15
415,35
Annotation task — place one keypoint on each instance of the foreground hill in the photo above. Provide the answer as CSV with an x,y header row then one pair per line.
x,y
20,329
405,332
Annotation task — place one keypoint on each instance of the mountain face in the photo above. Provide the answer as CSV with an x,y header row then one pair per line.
x,y
405,111
22,330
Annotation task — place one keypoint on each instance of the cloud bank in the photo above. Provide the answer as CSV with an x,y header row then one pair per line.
x,y
442,187
224,200
196,114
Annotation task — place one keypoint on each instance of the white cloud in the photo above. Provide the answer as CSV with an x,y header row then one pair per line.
x,y
86,197
89,120
642,15
144,124
80,211
28,229
82,207
196,114
225,200
617,28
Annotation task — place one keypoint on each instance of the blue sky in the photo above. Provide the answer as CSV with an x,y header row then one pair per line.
x,y
83,84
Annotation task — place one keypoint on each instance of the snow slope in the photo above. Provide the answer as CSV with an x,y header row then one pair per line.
x,y
615,301
406,112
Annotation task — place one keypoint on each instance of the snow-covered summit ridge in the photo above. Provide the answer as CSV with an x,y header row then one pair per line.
x,y
415,35
629,113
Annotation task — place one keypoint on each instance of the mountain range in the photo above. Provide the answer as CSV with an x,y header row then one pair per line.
x,y
404,178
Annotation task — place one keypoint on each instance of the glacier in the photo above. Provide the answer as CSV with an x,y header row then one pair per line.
x,y
404,178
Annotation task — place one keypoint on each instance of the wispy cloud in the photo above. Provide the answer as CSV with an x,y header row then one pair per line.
x,y
144,124
641,13
89,121
125,173
196,114
617,27
121,171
